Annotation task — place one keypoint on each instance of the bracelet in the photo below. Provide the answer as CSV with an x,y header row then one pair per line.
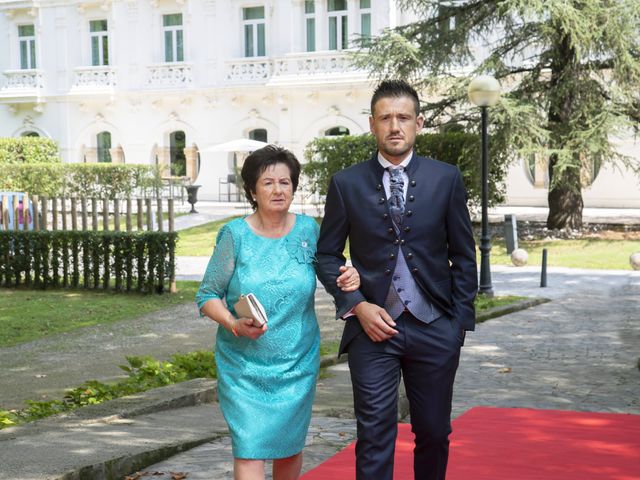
x,y
233,328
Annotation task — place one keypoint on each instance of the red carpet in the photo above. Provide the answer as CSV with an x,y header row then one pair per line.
x,y
520,444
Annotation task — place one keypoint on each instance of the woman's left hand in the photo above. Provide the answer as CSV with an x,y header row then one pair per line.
x,y
349,280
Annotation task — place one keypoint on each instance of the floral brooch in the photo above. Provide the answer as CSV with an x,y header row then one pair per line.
x,y
301,249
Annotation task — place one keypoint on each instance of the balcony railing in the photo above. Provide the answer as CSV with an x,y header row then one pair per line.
x,y
323,63
26,82
297,67
165,75
94,78
248,70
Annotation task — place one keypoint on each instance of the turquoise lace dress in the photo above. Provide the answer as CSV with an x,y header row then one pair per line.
x,y
266,386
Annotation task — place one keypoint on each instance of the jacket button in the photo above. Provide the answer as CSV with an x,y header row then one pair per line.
x,y
387,272
402,242
390,230
392,256
409,256
378,187
381,200
414,270
413,183
407,229
409,213
385,216
411,198
396,241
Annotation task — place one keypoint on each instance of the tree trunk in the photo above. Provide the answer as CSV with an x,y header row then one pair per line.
x,y
565,187
565,208
565,197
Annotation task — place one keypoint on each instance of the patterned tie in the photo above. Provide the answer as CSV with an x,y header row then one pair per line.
x,y
396,195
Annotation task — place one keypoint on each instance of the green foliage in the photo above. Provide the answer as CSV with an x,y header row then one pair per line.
x,y
328,155
570,71
144,261
80,179
28,150
7,419
143,373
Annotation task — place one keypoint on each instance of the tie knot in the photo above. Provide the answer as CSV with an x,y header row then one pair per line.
x,y
396,173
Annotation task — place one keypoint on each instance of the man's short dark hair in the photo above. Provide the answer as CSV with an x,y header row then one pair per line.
x,y
256,164
395,88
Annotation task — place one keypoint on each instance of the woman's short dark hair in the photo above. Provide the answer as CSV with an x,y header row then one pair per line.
x,y
256,164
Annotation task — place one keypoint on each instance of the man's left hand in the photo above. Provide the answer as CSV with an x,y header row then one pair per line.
x,y
349,280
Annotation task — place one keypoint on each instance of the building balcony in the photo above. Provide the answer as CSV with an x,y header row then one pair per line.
x,y
94,79
21,85
170,75
294,68
248,70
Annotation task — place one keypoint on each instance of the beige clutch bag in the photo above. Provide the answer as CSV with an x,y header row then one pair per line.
x,y
248,306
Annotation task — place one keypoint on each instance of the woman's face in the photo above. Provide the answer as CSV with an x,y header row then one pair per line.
x,y
274,189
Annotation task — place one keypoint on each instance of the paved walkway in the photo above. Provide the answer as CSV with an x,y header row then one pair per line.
x,y
578,352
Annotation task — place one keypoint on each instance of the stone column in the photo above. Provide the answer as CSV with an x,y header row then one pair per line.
x,y
164,157
90,154
191,154
540,172
117,154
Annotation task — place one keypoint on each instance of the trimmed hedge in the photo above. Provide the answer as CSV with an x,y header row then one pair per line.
x,y
328,155
28,150
120,261
79,179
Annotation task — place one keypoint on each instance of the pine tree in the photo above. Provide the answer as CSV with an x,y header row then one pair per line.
x,y
569,69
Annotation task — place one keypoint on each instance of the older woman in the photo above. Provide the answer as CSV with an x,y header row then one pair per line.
x,y
267,375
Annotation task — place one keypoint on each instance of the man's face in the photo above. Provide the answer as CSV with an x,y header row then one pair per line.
x,y
395,125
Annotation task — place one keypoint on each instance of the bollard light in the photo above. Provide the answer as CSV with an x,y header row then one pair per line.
x,y
484,91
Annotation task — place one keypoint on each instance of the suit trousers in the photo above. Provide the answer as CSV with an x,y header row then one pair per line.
x,y
426,356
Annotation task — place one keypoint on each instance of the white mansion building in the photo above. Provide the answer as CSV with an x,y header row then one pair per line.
x,y
163,81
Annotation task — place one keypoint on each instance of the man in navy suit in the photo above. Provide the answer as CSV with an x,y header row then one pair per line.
x,y
410,238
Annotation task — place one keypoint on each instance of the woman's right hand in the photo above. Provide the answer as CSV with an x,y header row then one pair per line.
x,y
244,328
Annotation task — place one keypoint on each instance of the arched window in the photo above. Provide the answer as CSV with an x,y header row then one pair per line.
x,y
537,170
259,134
590,170
103,146
177,158
30,134
336,131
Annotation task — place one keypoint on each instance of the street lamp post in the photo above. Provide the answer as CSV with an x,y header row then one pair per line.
x,y
484,91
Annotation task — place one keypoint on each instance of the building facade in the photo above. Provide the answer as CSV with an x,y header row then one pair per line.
x,y
164,81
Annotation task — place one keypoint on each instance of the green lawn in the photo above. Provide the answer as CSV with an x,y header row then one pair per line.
x,y
585,253
199,241
27,315
486,303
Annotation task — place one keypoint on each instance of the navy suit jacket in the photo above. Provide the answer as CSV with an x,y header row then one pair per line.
x,y
436,238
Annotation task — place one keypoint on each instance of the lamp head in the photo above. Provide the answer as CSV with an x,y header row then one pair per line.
x,y
484,91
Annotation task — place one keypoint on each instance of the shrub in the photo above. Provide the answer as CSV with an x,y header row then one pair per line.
x,y
141,261
28,150
80,179
327,155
